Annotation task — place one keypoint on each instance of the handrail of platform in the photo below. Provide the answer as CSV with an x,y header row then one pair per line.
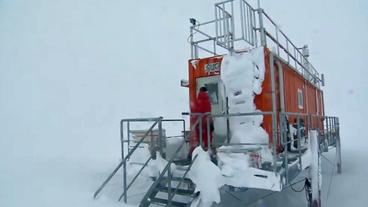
x,y
249,28
330,132
308,122
125,158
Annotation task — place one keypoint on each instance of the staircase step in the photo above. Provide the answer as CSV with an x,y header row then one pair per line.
x,y
161,201
183,162
177,179
185,192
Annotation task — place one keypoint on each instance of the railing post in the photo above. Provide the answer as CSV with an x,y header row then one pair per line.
x,y
128,135
200,131
208,133
326,131
123,157
160,144
191,43
298,141
274,112
338,147
277,40
261,27
122,139
169,175
285,141
125,182
227,121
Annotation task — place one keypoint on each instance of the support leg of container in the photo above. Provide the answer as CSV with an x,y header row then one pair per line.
x,y
315,170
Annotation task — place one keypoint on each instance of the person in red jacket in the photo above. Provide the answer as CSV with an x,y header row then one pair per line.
x,y
203,105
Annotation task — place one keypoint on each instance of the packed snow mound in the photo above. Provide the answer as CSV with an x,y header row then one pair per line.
x,y
242,75
207,177
237,172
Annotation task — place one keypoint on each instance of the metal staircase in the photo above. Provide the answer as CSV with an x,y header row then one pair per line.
x,y
172,188
169,187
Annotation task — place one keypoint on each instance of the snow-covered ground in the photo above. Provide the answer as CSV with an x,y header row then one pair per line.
x,y
70,70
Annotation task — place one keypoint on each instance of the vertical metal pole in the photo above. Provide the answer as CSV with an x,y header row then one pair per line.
x,y
338,147
333,129
128,135
122,139
123,160
160,141
287,49
216,24
298,141
274,109
232,25
195,51
169,175
309,125
242,17
329,129
214,47
277,39
254,28
281,86
228,134
296,59
208,133
184,134
326,131
125,182
262,29
285,141
191,43
200,130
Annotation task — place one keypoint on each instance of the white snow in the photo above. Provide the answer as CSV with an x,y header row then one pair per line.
x,y
315,172
207,177
70,70
237,172
242,75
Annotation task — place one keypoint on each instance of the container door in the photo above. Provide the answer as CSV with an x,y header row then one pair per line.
x,y
212,83
217,96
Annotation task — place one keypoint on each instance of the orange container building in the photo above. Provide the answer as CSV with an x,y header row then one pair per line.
x,y
300,95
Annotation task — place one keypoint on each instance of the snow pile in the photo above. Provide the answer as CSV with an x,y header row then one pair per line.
x,y
236,171
207,177
315,165
242,75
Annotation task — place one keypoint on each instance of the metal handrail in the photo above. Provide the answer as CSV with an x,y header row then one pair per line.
x,y
182,178
307,125
126,188
123,161
167,167
296,50
157,120
252,26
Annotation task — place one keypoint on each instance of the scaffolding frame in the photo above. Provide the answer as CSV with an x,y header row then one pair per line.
x,y
244,28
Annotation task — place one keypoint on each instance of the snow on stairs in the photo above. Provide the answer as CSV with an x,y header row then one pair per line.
x,y
184,194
